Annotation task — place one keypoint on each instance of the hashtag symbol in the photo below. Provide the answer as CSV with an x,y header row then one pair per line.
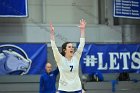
x,y
90,60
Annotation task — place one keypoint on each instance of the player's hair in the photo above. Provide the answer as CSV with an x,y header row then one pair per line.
x,y
64,48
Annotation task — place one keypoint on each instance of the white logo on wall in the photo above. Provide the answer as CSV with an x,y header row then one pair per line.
x,y
13,60
114,64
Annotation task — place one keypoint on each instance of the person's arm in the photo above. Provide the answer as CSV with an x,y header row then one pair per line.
x,y
56,71
41,87
82,26
56,53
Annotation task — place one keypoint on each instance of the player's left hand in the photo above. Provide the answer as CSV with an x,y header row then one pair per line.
x,y
82,24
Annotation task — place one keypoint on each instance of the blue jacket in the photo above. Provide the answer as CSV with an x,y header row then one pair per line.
x,y
47,82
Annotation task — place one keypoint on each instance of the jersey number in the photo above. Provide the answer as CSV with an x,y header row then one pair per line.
x,y
71,68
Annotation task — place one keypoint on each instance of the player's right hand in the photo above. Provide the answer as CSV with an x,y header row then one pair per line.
x,y
51,31
51,27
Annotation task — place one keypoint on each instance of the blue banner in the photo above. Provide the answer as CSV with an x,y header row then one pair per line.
x,y
127,8
13,8
19,59
110,58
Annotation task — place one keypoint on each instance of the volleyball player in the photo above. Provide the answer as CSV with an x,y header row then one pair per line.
x,y
68,62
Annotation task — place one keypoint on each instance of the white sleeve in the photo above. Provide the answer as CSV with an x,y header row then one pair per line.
x,y
56,53
79,51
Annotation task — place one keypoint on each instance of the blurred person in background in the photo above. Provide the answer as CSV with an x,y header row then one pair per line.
x,y
48,79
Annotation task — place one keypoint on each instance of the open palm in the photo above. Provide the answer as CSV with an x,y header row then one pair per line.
x,y
51,31
82,24
51,27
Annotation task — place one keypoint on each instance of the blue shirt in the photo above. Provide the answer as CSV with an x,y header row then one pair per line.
x,y
47,82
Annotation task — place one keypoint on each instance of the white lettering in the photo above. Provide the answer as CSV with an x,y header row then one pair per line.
x,y
113,57
124,57
136,60
100,57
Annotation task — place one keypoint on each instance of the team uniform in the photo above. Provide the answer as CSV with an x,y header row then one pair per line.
x,y
47,82
69,70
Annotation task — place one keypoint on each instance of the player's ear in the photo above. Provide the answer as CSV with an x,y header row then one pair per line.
x,y
64,50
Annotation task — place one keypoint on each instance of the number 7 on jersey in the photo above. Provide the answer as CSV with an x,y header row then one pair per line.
x,y
71,68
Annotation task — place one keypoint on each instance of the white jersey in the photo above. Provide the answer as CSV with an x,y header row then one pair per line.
x,y
69,70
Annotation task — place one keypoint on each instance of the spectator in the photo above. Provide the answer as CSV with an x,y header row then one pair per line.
x,y
48,80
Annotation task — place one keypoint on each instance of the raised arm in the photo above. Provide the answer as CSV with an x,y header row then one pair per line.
x,y
56,53
82,27
56,71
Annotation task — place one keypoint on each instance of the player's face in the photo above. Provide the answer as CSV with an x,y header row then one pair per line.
x,y
48,67
69,50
